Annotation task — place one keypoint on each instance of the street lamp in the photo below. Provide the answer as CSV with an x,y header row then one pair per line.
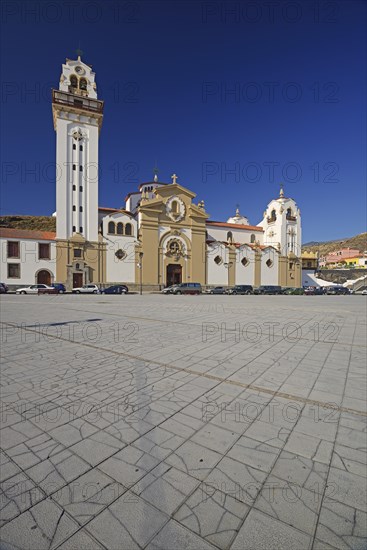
x,y
140,266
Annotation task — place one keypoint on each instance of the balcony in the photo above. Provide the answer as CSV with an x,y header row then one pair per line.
x,y
77,102
291,218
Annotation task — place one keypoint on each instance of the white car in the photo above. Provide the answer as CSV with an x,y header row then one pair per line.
x,y
86,289
33,289
364,292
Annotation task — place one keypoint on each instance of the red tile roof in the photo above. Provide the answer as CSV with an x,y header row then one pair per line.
x,y
8,233
236,226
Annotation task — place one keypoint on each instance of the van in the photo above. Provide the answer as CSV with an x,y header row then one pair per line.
x,y
187,288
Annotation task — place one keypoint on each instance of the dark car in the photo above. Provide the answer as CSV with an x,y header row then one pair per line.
x,y
268,289
314,291
115,289
60,287
241,289
293,291
3,288
217,290
49,290
187,288
337,290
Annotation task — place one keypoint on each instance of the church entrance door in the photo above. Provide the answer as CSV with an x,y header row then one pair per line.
x,y
44,277
174,274
77,280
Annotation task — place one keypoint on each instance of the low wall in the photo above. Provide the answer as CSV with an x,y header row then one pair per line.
x,y
340,276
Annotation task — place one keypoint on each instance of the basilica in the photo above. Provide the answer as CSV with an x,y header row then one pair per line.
x,y
162,236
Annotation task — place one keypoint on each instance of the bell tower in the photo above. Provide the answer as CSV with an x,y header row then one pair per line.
x,y
77,118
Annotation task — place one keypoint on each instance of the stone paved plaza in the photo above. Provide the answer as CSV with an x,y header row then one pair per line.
x,y
183,422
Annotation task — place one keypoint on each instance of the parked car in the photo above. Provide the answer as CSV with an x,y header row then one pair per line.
x,y
337,290
314,291
3,288
115,289
60,287
241,289
86,289
216,290
268,289
33,289
187,288
48,290
167,290
293,291
364,292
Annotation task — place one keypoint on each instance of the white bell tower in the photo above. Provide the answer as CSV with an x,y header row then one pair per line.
x,y
282,225
77,116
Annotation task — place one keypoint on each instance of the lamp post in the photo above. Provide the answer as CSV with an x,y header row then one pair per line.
x,y
140,265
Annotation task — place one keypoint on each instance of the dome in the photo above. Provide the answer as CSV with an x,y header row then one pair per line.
x,y
238,219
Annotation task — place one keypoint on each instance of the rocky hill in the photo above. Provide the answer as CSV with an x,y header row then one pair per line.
x,y
358,242
36,223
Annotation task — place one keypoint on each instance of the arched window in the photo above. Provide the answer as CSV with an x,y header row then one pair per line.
x,y
289,211
111,227
73,81
252,238
120,229
83,84
128,229
174,207
273,215
229,236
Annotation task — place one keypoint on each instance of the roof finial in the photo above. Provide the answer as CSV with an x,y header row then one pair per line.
x,y
281,192
79,52
155,172
237,210
174,178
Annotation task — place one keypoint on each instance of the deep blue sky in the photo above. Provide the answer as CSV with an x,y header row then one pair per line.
x,y
163,69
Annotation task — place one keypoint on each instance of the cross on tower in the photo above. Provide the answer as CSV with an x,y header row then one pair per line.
x,y
174,178
155,172
79,52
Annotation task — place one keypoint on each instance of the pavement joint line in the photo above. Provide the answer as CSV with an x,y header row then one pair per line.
x,y
260,389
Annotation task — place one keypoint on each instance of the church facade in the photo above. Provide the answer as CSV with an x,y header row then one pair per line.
x,y
161,237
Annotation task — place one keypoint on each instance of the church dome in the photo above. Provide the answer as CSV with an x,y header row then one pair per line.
x,y
238,219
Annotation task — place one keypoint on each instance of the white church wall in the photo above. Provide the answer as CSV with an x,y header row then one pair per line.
x,y
269,273
245,266
239,235
120,269
217,274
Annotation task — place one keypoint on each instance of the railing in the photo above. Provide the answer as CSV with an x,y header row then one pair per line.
x,y
291,218
271,219
78,102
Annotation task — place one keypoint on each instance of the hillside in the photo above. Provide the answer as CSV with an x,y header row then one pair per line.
x,y
358,242
36,223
